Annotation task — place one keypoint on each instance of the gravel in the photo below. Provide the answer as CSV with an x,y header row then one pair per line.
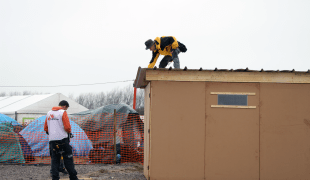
x,y
128,171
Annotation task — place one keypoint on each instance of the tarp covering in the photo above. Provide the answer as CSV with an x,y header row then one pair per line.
x,y
38,140
98,124
120,108
4,118
102,120
28,154
10,149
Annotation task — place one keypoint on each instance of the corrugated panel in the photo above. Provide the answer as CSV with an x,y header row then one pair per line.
x,y
233,70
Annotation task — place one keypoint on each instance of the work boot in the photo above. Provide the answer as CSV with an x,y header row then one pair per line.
x,y
65,172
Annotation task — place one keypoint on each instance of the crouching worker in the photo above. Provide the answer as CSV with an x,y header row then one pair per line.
x,y
167,46
57,126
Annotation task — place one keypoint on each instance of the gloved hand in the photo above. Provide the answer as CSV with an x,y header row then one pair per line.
x,y
47,132
71,135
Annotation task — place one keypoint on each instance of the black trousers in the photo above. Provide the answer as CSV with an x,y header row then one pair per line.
x,y
61,165
175,58
58,148
164,62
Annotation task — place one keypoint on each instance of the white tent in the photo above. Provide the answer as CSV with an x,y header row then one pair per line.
x,y
25,109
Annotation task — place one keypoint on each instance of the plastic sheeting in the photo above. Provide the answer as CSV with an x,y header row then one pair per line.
x,y
4,118
98,124
10,149
38,140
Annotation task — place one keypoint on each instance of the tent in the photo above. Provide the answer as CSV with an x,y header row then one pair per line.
x,y
10,149
27,152
25,109
38,140
4,118
99,127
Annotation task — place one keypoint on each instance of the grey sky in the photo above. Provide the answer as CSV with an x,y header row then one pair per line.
x,y
80,42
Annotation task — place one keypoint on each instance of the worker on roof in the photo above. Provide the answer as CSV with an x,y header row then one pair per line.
x,y
167,46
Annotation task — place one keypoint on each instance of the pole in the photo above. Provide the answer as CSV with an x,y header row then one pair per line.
x,y
134,98
115,136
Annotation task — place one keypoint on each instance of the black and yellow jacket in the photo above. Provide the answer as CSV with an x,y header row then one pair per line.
x,y
163,46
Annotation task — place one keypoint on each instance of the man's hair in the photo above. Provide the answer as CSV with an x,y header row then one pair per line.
x,y
64,103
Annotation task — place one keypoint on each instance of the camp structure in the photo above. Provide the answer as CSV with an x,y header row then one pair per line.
x,y
98,124
16,127
25,109
5,118
10,148
38,140
226,124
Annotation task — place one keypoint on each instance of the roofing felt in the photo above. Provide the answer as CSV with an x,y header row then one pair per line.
x,y
145,75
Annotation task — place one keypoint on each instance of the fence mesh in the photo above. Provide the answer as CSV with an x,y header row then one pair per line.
x,y
95,140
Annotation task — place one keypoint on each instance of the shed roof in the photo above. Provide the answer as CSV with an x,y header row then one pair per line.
x,y
36,103
145,75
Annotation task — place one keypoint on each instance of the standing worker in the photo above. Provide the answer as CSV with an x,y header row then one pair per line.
x,y
57,126
167,46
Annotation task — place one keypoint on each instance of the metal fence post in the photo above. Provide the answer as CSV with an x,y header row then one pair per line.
x,y
115,136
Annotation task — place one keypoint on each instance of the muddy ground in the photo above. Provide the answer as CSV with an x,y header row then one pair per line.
x,y
86,172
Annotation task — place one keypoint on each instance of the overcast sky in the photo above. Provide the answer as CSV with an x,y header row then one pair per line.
x,y
49,42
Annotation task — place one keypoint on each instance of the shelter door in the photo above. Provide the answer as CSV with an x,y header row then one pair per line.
x,y
232,131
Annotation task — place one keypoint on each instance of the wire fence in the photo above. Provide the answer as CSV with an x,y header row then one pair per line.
x,y
102,138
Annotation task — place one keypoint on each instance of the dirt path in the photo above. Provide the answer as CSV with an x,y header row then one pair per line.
x,y
87,172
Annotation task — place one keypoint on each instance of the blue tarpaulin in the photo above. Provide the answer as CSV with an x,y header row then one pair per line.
x,y
38,140
4,118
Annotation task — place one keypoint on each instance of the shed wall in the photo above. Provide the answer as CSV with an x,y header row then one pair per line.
x,y
177,130
189,139
285,131
232,135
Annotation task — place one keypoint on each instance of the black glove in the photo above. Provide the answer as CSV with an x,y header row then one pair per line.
x,y
71,135
47,132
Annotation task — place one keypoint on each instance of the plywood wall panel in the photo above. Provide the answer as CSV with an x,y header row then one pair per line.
x,y
177,130
232,135
285,131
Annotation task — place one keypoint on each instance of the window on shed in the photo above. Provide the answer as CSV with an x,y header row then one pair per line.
x,y
232,99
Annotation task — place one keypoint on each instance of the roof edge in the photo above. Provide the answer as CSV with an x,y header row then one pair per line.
x,y
145,75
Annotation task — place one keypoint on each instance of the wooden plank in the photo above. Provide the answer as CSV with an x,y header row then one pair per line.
x,y
226,76
150,128
234,93
140,79
231,106
147,104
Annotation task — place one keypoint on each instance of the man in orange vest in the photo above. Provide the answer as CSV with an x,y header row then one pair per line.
x,y
57,126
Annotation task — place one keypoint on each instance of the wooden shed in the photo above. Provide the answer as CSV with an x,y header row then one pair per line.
x,y
226,124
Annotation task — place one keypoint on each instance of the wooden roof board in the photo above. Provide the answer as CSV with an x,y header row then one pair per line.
x,y
140,81
145,75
